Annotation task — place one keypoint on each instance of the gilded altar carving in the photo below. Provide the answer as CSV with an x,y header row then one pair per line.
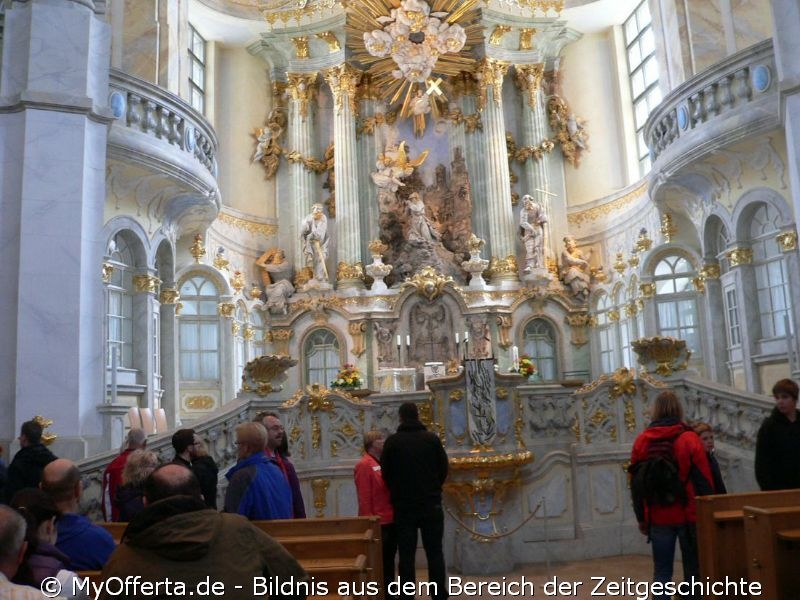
x,y
662,355
647,289
699,284
319,488
456,395
331,40
198,248
577,324
429,282
47,436
668,228
610,208
529,79
643,242
346,271
496,37
237,281
146,284
236,328
569,129
266,374
280,339
301,47
739,256
710,271
526,38
201,402
108,269
249,333
357,330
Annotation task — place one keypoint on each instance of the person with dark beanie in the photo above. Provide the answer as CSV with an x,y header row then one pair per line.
x,y
414,466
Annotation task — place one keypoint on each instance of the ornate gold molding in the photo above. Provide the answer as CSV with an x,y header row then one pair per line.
x,y
304,10
236,328
526,38
226,309
356,330
249,333
578,323
201,402
528,78
237,281
301,87
47,437
668,354
280,339
331,40
345,271
198,249
319,488
699,284
368,124
343,81
643,243
490,74
503,267
301,47
504,329
787,240
248,226
710,271
108,269
668,228
428,282
647,289
494,462
739,256
496,37
593,214
169,295
146,284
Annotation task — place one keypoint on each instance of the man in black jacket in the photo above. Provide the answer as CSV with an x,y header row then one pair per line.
x,y
26,468
414,466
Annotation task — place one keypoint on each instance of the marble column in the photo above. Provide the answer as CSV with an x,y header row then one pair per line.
x,y
145,306
373,110
502,228
169,306
54,120
534,135
301,88
343,81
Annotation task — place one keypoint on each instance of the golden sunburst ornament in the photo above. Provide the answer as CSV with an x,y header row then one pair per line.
x,y
415,46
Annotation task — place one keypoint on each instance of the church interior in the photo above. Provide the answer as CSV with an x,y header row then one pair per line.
x,y
526,216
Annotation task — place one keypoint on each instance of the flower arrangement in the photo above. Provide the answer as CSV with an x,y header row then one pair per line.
x,y
525,366
348,377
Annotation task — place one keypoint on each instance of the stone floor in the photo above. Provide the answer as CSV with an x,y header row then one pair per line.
x,y
572,580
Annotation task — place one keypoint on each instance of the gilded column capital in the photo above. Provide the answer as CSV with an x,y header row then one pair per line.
x,y
739,256
526,38
108,269
226,309
496,37
301,47
710,271
490,73
505,268
301,87
343,81
528,79
280,338
146,284
169,295
787,240
647,290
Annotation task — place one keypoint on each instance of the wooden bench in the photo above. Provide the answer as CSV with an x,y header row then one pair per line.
x,y
721,531
334,550
115,529
773,551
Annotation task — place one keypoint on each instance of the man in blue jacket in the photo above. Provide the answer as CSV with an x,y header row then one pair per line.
x,y
257,488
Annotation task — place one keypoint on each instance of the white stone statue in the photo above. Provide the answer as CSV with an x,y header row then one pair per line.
x,y
532,219
420,228
314,233
574,268
276,277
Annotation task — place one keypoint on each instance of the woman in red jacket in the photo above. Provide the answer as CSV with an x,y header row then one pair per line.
x,y
666,522
373,499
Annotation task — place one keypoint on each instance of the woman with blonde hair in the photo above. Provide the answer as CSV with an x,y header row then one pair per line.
x,y
129,495
669,468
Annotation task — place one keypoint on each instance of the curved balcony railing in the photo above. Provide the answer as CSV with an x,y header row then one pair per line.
x,y
735,97
164,118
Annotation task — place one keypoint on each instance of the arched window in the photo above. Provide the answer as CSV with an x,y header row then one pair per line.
x,y
676,301
255,337
605,334
321,353
770,272
199,330
119,304
540,344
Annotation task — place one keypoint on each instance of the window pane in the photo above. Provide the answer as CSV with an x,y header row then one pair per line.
x,y
637,84
209,336
634,56
647,42
209,365
650,71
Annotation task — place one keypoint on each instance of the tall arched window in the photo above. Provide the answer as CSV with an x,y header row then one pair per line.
x,y
540,344
770,272
676,301
605,334
321,353
199,330
119,304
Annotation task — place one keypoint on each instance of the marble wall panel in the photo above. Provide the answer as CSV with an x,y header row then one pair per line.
x,y
752,21
707,33
140,40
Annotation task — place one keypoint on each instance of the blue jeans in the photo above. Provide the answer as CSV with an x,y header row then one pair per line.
x,y
662,538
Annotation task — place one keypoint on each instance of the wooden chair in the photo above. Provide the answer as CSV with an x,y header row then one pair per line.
x,y
161,421
148,423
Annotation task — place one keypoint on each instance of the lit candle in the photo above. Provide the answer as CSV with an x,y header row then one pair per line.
x,y
466,337
514,353
408,340
398,340
457,341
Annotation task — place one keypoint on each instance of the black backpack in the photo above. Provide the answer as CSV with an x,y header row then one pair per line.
x,y
656,479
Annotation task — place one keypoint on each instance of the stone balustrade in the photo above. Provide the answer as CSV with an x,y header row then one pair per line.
x,y
729,101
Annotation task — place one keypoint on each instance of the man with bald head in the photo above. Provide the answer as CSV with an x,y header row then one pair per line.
x,y
87,545
178,537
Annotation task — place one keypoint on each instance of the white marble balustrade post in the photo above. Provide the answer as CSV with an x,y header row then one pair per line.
x,y
301,88
502,228
343,81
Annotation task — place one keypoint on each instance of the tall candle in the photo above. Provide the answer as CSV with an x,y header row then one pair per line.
x,y
514,354
457,341
398,340
408,340
466,337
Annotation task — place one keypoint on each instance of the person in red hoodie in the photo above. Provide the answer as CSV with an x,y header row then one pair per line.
x,y
667,523
373,499
112,476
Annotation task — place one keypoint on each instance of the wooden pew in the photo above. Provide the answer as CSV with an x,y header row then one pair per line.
x,y
721,534
115,529
772,539
333,550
